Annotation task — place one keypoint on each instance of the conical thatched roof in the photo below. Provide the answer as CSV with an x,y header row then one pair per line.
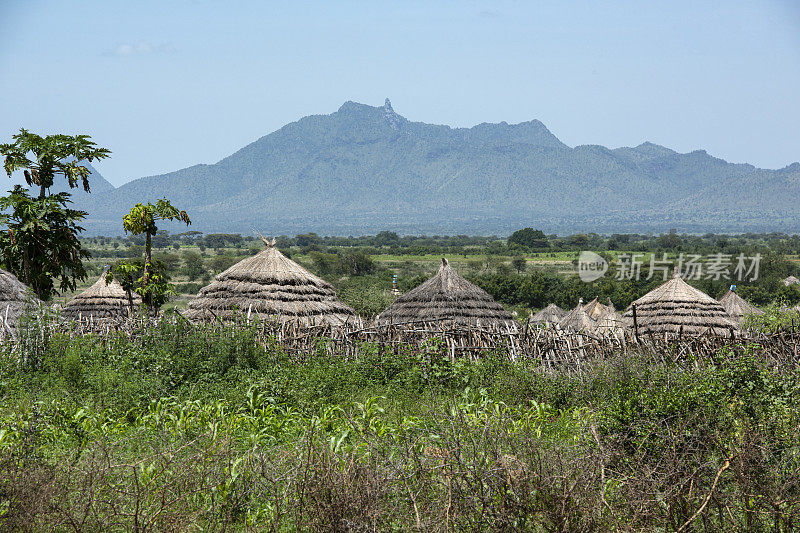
x,y
552,314
15,298
791,280
446,297
102,301
737,307
578,320
676,306
269,284
595,309
611,321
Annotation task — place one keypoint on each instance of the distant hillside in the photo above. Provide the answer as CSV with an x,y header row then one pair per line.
x,y
363,169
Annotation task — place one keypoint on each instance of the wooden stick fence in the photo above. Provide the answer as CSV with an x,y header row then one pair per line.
x,y
557,350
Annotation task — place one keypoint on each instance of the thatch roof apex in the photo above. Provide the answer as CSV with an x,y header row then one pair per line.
x,y
595,309
675,289
269,243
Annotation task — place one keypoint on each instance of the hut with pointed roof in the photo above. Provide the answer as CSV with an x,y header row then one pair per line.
x,y
578,320
102,301
270,285
552,314
676,307
15,299
791,280
595,309
737,307
447,298
611,321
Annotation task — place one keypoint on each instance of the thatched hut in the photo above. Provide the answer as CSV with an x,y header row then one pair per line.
x,y
269,284
102,301
595,309
578,320
791,280
677,307
611,321
552,314
15,299
737,307
447,298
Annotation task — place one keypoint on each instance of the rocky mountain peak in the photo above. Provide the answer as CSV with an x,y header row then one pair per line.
x,y
393,118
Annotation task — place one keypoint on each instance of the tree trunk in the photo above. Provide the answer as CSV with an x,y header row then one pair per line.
x,y
146,273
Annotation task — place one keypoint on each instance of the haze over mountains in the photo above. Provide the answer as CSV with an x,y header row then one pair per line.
x,y
364,169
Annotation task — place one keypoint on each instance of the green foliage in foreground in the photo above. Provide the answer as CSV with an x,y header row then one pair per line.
x,y
205,428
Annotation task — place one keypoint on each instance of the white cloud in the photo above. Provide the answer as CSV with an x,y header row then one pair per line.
x,y
142,48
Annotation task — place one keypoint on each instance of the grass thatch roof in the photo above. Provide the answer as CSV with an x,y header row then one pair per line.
x,y
552,314
15,298
676,307
791,280
737,307
611,321
102,301
578,320
446,297
269,284
595,309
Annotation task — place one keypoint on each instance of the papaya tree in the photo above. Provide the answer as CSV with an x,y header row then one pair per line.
x,y
142,220
40,240
43,159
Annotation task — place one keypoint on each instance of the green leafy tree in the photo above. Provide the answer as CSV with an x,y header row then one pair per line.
x,y
42,159
142,220
130,275
528,238
40,242
193,265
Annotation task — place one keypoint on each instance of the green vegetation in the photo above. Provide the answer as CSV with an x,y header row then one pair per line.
x,y
142,219
183,427
41,242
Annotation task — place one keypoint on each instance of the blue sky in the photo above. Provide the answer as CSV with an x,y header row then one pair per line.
x,y
166,85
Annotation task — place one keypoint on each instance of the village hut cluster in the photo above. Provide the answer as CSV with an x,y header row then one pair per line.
x,y
674,307
270,285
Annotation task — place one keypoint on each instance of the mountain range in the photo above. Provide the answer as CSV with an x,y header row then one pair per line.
x,y
364,169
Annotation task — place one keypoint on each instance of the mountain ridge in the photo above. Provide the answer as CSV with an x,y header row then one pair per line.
x,y
363,169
